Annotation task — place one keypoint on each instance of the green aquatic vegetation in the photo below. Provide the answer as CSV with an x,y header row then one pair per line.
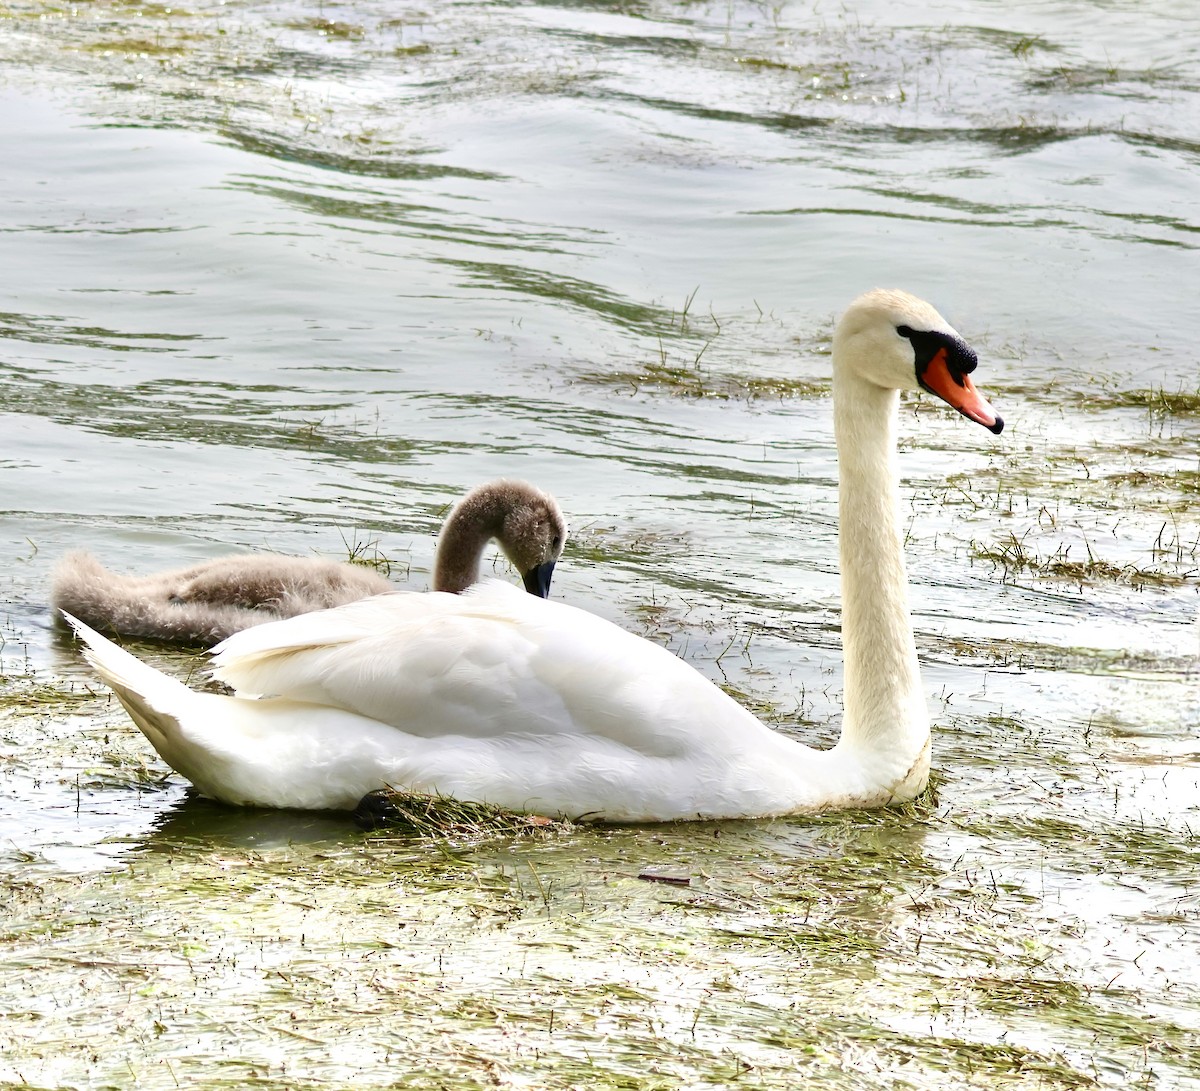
x,y
343,153
421,815
691,381
571,292
216,414
858,825
1010,41
126,772
1158,402
769,711
819,78
144,10
55,330
328,28
1083,520
1120,850
29,693
1103,1013
665,619
606,544
684,366
1030,654
814,945
794,957
1185,482
366,553
26,689
768,63
983,1062
1012,556
1082,77
137,46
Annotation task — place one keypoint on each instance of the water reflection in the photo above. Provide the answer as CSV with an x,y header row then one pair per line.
x,y
288,151
56,330
191,821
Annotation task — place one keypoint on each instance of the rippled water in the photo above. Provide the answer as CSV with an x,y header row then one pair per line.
x,y
293,277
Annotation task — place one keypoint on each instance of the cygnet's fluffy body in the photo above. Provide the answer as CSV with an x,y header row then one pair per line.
x,y
207,602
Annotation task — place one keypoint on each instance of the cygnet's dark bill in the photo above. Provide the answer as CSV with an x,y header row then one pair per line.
x,y
537,580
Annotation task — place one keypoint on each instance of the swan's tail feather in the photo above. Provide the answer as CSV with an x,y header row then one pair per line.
x,y
146,693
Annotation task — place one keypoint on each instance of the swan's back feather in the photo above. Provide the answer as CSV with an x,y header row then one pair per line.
x,y
479,663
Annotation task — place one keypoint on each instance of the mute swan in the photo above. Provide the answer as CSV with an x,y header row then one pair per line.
x,y
534,705
208,602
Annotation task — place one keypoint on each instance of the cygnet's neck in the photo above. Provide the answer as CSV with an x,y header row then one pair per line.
x,y
884,704
475,521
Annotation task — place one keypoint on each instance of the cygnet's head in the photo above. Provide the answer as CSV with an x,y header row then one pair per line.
x,y
533,534
526,523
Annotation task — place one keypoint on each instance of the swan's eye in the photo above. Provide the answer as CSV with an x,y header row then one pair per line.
x,y
904,331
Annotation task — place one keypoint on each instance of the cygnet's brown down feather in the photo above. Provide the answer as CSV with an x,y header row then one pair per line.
x,y
207,602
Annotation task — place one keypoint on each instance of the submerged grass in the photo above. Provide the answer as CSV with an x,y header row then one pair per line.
x,y
548,962
683,381
899,948
1011,555
422,815
329,28
29,694
1157,403
367,554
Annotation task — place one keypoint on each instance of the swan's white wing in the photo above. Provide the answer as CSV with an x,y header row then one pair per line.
x,y
491,662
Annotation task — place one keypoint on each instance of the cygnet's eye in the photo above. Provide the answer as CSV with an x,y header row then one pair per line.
x,y
555,543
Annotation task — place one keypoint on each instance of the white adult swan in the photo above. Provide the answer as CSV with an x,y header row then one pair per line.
x,y
497,696
210,601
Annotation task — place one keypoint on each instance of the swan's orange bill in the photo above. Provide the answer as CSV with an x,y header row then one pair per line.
x,y
959,392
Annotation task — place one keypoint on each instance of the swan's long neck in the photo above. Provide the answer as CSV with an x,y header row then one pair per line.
x,y
884,704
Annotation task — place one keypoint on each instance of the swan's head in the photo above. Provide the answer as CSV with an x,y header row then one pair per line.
x,y
899,342
532,534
